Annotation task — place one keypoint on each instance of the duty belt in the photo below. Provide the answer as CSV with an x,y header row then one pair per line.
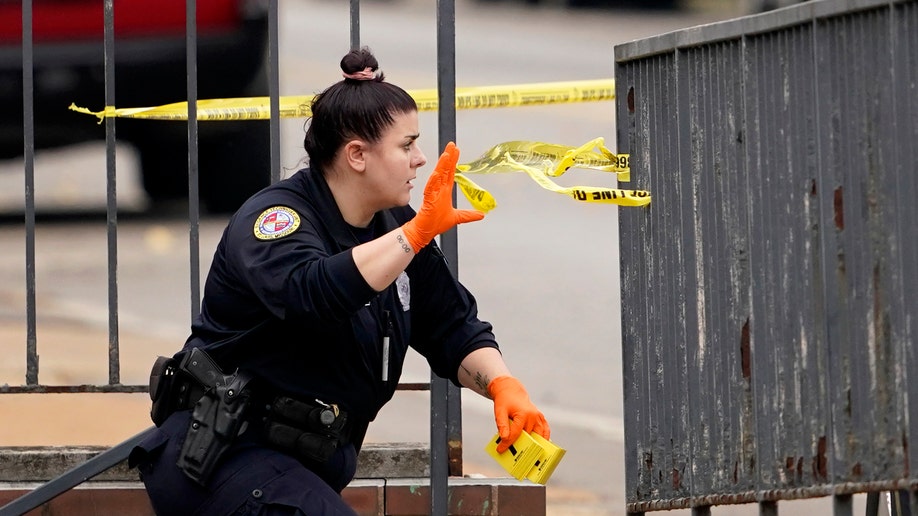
x,y
224,406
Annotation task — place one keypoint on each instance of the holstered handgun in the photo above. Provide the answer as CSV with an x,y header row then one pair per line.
x,y
218,415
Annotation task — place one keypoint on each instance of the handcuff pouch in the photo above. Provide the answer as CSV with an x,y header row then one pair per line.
x,y
164,379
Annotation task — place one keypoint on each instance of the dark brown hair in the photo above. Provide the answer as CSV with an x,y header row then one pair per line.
x,y
353,108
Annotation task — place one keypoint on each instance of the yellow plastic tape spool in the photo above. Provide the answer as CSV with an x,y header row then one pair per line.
x,y
299,106
541,161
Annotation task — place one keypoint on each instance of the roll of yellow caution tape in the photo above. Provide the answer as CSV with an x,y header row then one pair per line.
x,y
259,108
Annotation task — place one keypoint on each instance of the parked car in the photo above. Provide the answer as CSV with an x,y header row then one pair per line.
x,y
761,6
603,4
150,70
745,6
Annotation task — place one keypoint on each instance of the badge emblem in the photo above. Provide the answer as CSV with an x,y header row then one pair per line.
x,y
403,285
276,222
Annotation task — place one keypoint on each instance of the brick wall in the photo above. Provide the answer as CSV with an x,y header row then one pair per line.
x,y
392,481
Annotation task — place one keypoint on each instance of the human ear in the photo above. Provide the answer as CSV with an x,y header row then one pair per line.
x,y
355,155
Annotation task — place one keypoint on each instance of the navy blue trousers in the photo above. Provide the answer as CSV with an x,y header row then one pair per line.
x,y
251,479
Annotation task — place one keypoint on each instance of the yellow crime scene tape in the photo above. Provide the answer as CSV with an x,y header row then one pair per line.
x,y
544,160
259,108
539,160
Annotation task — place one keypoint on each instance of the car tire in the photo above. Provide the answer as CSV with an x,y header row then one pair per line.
x,y
234,164
163,166
624,4
234,160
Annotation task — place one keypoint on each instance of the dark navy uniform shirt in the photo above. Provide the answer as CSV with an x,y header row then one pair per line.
x,y
284,299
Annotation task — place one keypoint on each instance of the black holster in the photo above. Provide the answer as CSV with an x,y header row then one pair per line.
x,y
218,416
171,389
164,384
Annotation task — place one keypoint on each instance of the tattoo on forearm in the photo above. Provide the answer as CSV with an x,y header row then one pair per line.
x,y
405,247
481,381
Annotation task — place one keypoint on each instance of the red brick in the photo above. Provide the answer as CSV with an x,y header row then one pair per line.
x,y
467,496
91,501
366,497
521,500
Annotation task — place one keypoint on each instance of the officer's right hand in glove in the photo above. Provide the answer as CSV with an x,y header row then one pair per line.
x,y
511,402
437,213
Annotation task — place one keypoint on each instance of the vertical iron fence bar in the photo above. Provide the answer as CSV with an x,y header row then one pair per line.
x,y
442,392
843,505
114,364
274,88
768,508
28,128
355,24
194,204
873,503
447,131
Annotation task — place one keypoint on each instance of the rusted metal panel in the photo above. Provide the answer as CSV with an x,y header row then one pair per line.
x,y
654,353
711,146
856,146
787,341
905,72
768,291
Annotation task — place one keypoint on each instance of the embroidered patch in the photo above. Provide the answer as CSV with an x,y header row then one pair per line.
x,y
276,222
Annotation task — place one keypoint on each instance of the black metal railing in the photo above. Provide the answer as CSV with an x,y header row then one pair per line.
x,y
445,417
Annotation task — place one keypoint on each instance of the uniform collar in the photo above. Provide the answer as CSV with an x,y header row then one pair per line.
x,y
317,188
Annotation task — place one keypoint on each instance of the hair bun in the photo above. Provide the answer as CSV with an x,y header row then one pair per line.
x,y
360,64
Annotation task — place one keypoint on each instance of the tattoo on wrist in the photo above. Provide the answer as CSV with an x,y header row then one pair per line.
x,y
405,247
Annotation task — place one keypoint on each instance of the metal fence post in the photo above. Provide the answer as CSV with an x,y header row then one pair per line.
x,y
28,112
114,361
445,401
194,202
274,88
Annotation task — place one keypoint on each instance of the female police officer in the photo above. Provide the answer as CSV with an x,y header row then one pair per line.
x,y
318,287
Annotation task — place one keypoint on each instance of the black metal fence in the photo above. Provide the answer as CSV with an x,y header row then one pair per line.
x,y
769,291
445,418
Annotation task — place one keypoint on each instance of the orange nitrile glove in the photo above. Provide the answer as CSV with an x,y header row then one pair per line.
x,y
511,403
437,213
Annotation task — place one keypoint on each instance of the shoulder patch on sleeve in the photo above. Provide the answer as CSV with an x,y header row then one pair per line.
x,y
276,222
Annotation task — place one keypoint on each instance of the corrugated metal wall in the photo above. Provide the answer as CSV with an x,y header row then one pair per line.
x,y
769,290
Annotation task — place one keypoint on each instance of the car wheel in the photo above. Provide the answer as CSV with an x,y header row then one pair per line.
x,y
163,161
234,163
234,160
